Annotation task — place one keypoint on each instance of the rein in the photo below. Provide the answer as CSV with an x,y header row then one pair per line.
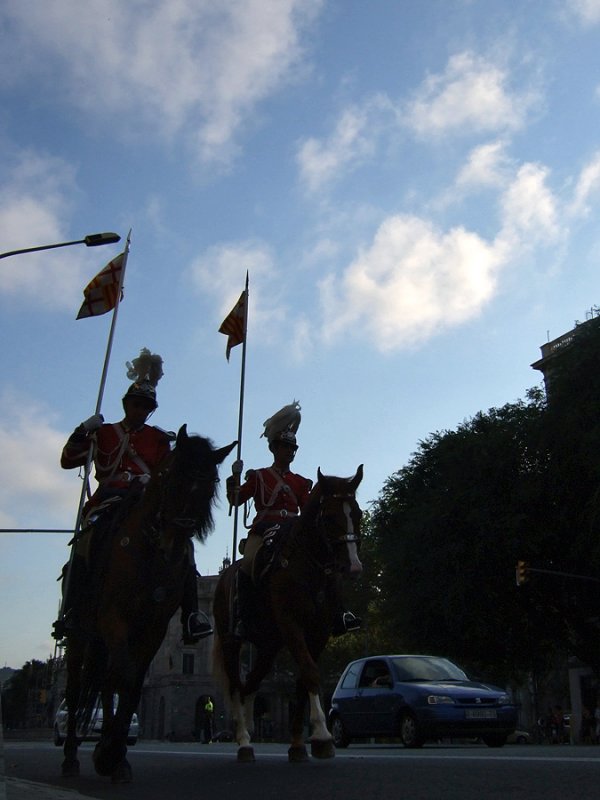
x,y
296,540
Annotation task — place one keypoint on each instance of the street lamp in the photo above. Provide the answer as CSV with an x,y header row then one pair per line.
x,y
91,240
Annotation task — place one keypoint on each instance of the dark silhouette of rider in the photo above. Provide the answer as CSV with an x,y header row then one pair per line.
x,y
279,495
124,454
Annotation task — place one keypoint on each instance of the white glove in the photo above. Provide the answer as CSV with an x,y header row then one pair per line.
x,y
93,423
237,467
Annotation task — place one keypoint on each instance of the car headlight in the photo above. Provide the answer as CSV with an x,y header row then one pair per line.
x,y
504,700
439,699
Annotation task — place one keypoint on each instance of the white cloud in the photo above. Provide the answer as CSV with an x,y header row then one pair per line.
x,y
411,283
587,11
472,94
416,280
487,165
167,65
35,202
31,482
221,272
530,211
587,184
352,140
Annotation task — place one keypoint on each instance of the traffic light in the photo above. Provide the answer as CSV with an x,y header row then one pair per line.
x,y
522,572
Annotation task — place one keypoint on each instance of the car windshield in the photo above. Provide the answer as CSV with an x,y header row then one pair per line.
x,y
427,668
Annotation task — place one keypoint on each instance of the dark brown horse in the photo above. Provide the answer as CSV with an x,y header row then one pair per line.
x,y
299,598
140,589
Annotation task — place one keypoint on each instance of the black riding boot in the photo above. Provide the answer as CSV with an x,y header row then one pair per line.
x,y
243,605
72,597
195,623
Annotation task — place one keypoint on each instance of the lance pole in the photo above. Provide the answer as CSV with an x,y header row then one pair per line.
x,y
88,463
240,425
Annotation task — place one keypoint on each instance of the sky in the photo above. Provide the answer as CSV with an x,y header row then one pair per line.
x,y
413,189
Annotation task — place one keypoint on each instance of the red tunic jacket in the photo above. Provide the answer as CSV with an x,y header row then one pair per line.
x,y
276,495
120,455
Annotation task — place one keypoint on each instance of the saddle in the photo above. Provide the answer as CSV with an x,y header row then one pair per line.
x,y
270,553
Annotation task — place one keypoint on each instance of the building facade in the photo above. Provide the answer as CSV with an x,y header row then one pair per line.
x,y
180,680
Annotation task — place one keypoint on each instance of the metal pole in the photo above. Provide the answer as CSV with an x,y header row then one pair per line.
x,y
240,424
88,463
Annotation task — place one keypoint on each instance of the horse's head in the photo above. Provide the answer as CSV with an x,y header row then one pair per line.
x,y
340,515
188,479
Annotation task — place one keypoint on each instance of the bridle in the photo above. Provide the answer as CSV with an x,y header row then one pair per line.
x,y
349,535
324,523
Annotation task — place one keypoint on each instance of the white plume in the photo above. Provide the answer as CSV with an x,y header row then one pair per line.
x,y
146,368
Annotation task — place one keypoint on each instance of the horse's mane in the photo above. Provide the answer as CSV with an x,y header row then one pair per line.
x,y
195,452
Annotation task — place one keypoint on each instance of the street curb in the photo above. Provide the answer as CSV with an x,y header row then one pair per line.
x,y
18,789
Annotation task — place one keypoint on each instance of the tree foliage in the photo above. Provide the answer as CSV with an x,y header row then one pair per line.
x,y
517,482
20,692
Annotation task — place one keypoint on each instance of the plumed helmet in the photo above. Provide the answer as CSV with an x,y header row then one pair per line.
x,y
144,389
145,371
283,425
285,437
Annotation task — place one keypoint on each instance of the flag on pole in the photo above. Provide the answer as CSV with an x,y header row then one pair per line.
x,y
233,326
100,295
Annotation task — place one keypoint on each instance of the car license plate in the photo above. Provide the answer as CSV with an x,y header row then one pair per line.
x,y
480,713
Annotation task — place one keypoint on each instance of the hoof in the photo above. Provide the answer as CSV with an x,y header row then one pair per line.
x,y
322,749
297,754
70,769
122,774
102,763
245,754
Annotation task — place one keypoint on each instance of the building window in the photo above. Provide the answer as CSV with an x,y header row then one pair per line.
x,y
188,664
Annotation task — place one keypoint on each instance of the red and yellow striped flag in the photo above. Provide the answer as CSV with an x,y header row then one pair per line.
x,y
233,326
100,295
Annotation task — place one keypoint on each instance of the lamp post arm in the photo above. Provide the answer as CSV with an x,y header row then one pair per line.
x,y
91,240
42,247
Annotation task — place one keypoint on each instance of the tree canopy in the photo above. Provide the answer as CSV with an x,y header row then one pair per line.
x,y
517,482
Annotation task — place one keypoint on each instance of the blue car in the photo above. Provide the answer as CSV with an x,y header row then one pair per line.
x,y
415,699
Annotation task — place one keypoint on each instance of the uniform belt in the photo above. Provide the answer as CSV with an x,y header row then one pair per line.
x,y
127,477
282,513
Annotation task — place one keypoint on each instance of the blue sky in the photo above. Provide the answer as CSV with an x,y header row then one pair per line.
x,y
413,188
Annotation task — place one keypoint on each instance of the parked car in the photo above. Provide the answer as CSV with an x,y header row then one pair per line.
x,y
417,698
519,737
92,731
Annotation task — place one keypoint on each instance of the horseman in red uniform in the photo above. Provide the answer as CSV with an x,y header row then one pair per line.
x,y
124,454
279,495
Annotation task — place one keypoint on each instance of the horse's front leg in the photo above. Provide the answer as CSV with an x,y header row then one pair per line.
x,y
242,701
110,752
70,764
308,685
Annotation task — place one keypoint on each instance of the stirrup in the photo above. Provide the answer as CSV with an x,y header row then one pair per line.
x,y
64,625
345,622
350,621
197,627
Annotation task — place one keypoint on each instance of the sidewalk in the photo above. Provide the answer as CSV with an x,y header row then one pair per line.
x,y
16,789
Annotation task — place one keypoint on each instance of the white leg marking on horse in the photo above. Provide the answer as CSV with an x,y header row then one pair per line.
x,y
242,736
317,720
356,566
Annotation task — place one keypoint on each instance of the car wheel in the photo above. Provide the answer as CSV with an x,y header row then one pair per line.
x,y
131,740
58,739
340,738
495,739
409,731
